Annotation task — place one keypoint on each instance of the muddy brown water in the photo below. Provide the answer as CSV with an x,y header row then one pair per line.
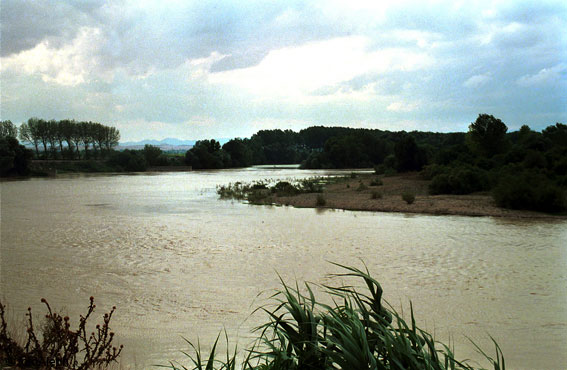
x,y
180,263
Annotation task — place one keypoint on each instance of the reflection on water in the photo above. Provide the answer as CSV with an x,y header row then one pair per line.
x,y
177,261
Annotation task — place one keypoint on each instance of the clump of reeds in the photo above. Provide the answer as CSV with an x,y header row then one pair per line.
x,y
56,346
356,331
258,191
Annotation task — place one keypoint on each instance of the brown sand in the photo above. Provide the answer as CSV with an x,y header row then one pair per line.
x,y
346,194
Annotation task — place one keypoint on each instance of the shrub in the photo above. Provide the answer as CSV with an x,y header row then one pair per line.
x,y
376,195
361,186
320,201
57,346
408,197
284,188
459,180
529,190
376,182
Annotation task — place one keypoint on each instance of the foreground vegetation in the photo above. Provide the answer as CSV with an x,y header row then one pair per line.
x,y
56,346
356,331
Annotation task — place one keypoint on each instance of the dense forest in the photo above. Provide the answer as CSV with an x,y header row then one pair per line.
x,y
523,169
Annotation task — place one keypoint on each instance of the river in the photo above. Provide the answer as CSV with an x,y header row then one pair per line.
x,y
177,262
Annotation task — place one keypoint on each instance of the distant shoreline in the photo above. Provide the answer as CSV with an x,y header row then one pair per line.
x,y
349,195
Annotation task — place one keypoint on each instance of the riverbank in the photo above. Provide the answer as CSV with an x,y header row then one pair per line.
x,y
349,194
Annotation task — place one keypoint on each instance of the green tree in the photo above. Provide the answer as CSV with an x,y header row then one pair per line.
x,y
240,153
409,156
487,135
7,128
152,154
14,158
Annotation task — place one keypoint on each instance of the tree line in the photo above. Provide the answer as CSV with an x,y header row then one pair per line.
x,y
524,169
64,139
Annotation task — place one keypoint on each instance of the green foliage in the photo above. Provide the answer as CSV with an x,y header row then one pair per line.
x,y
128,160
409,156
529,190
207,154
487,135
240,153
356,331
408,197
57,346
52,134
457,180
153,156
361,186
8,129
14,158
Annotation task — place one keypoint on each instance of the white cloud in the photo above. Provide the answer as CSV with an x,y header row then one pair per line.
x,y
303,69
477,80
544,76
401,106
71,64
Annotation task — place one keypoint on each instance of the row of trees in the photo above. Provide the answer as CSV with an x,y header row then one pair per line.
x,y
64,138
523,169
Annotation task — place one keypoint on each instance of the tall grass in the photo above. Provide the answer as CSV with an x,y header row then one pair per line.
x,y
356,331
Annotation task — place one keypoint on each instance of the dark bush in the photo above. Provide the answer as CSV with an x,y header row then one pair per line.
x,y
284,188
128,160
529,190
459,180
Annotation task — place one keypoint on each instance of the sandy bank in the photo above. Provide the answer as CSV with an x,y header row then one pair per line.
x,y
348,195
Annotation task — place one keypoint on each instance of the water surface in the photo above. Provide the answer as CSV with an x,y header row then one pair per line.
x,y
178,262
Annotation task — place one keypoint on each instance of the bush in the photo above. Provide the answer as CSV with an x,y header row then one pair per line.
x,y
361,186
376,195
57,346
376,182
408,197
459,180
284,188
531,191
128,160
320,201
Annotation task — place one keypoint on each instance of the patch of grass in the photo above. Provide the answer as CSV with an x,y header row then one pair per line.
x,y
357,331
408,197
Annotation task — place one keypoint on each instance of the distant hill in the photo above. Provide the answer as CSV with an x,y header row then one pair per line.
x,y
167,141
167,144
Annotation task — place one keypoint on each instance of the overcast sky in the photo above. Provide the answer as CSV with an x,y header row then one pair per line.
x,y
203,69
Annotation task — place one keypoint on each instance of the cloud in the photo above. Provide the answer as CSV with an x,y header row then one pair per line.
x,y
477,80
544,76
284,63
71,64
309,67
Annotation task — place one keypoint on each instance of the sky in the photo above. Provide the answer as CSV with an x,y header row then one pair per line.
x,y
223,69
